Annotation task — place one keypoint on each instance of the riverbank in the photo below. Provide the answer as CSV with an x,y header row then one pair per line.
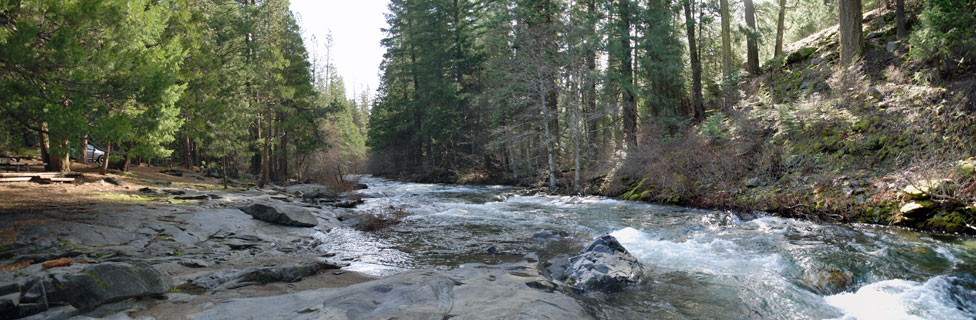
x,y
450,251
888,140
165,245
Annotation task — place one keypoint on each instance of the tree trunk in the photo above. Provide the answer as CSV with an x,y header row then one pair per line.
x,y
900,19
589,93
752,48
418,111
543,93
224,169
727,85
108,151
61,157
627,72
885,4
851,38
46,148
283,155
187,157
57,158
264,173
698,104
265,150
780,24
83,157
128,157
577,140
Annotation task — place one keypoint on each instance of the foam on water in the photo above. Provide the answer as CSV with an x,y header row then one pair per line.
x,y
716,256
704,264
901,299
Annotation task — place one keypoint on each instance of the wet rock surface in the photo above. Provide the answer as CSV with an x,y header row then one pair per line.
x,y
473,291
98,284
603,266
122,252
311,192
231,279
282,214
84,287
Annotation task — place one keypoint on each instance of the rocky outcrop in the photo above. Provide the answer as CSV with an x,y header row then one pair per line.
x,y
282,214
473,291
83,287
230,279
603,266
108,282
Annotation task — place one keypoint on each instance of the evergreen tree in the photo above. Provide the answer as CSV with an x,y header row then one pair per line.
x,y
105,69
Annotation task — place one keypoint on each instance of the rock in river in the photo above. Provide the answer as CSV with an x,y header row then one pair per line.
x,y
281,214
603,266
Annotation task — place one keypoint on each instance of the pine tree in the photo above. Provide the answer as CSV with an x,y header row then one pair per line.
x,y
752,35
76,69
851,38
698,105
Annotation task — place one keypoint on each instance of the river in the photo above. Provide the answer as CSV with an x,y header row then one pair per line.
x,y
699,264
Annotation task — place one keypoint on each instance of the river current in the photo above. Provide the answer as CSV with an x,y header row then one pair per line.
x,y
699,264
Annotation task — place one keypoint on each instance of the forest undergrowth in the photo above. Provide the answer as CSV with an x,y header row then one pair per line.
x,y
887,140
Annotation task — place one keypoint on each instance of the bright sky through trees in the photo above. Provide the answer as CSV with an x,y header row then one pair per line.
x,y
356,31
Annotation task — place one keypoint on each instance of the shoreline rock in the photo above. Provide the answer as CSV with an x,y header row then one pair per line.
x,y
281,214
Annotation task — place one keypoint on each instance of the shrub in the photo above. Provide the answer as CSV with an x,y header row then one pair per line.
x,y
945,27
372,222
713,128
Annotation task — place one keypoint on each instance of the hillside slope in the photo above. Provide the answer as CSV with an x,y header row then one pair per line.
x,y
889,140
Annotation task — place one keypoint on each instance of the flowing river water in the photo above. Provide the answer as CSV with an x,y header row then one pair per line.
x,y
699,264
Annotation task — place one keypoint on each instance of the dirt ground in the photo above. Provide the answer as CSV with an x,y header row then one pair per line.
x,y
87,194
90,191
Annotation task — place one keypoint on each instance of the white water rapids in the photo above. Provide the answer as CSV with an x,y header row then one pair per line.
x,y
699,264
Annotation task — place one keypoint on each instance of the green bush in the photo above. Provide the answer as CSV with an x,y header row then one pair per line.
x,y
944,26
713,128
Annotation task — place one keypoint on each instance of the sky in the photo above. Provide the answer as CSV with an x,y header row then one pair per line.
x,y
356,33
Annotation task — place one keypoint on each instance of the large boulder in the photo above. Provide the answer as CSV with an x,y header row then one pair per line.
x,y
95,285
282,214
603,266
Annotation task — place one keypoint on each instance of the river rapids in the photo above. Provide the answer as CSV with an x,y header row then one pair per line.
x,y
699,264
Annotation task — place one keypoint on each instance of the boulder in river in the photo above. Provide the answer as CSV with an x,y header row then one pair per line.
x,y
828,281
281,214
603,266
